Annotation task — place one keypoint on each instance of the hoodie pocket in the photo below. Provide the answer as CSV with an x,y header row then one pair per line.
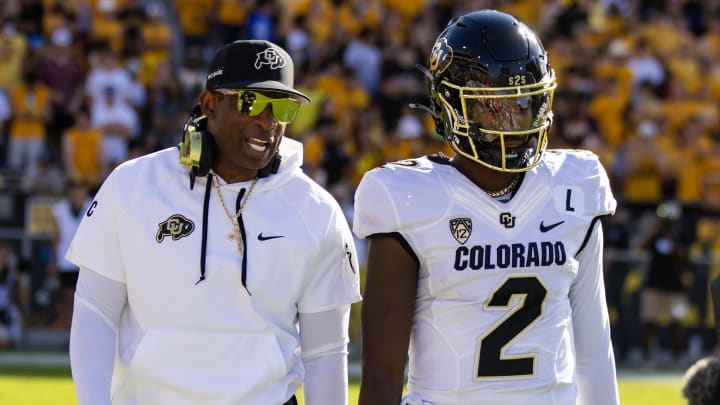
x,y
188,367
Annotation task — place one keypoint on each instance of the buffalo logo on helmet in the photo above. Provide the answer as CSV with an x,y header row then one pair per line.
x,y
461,228
177,226
269,57
441,56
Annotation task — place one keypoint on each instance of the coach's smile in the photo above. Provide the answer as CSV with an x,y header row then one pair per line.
x,y
245,144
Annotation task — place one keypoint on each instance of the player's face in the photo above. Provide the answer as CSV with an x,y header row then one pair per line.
x,y
244,142
501,114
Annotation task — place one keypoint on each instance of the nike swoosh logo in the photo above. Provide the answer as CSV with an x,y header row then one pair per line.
x,y
261,237
544,228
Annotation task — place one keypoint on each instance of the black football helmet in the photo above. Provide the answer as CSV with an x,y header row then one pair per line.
x,y
491,90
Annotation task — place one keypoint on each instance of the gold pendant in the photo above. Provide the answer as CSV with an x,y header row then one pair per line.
x,y
238,241
237,237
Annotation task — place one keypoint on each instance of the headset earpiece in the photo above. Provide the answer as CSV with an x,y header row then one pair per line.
x,y
197,149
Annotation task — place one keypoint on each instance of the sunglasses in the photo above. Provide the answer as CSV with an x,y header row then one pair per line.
x,y
253,104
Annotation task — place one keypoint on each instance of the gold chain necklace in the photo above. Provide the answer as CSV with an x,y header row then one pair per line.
x,y
510,187
234,219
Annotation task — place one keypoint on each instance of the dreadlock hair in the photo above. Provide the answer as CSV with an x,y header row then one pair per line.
x,y
701,385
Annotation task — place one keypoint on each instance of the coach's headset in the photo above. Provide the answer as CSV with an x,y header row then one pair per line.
x,y
197,149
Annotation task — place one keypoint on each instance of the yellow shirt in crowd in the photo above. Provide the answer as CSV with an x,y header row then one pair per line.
x,y
31,109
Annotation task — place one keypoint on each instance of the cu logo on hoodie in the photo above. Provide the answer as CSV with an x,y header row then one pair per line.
x,y
177,226
269,57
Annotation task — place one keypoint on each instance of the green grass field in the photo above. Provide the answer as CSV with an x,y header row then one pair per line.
x,y
32,386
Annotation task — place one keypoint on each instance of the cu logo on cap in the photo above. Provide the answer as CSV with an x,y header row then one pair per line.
x,y
269,57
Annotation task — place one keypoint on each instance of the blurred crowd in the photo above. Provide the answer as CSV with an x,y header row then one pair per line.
x,y
88,84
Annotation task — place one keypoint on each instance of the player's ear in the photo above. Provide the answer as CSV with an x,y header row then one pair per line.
x,y
207,103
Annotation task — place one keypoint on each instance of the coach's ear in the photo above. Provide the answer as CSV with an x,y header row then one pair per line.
x,y
207,103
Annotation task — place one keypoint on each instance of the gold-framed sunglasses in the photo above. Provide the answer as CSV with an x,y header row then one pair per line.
x,y
252,104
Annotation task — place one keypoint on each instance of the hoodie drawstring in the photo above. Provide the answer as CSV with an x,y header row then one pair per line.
x,y
238,203
203,246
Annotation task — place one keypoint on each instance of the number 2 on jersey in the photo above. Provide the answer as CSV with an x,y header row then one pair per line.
x,y
492,362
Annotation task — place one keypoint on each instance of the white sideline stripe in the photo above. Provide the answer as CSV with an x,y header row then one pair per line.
x,y
25,359
628,375
62,359
354,369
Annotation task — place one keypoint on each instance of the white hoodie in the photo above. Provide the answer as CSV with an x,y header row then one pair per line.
x,y
185,341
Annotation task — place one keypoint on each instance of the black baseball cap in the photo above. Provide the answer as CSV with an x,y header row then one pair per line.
x,y
253,65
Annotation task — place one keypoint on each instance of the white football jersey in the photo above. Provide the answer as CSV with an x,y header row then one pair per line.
x,y
185,341
506,303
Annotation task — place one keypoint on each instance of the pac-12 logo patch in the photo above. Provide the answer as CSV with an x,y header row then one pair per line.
x,y
177,226
461,228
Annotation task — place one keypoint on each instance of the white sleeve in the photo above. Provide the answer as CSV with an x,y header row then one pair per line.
x,y
97,242
595,369
323,345
332,279
99,302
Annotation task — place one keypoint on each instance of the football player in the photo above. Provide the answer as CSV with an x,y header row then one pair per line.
x,y
487,267
232,289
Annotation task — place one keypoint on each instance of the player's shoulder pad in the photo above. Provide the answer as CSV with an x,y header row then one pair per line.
x,y
383,190
420,164
582,169
411,167
407,173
